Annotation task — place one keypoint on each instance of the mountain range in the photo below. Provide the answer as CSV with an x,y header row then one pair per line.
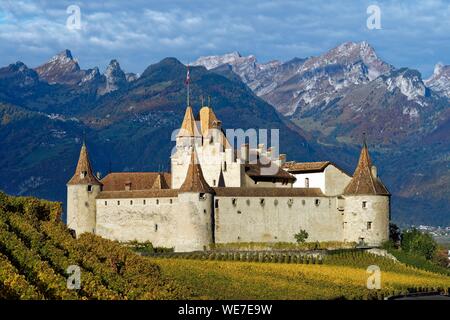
x,y
322,106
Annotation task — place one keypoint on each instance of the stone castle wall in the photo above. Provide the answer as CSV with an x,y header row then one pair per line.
x,y
276,219
190,222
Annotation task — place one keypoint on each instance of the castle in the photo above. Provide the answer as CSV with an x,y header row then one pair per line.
x,y
216,193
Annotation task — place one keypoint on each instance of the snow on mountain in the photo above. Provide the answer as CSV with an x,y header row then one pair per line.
x,y
305,83
409,82
62,68
131,76
440,80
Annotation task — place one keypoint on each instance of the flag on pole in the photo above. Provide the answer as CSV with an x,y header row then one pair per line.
x,y
188,80
188,77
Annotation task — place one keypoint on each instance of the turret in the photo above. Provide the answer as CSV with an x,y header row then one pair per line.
x,y
189,133
195,223
82,190
367,205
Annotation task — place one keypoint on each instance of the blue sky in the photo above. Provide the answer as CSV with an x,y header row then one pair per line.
x,y
141,32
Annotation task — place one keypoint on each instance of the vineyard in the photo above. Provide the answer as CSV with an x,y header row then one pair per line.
x,y
343,276
36,251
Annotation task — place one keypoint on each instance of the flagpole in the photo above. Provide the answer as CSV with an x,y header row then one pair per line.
x,y
188,80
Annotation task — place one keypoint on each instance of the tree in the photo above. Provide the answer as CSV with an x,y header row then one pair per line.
x,y
419,243
395,234
301,236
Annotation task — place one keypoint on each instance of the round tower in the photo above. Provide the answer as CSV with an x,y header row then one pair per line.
x,y
367,205
82,191
195,221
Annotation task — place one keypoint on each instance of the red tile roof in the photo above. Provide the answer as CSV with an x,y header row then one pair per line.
x,y
363,182
83,172
116,181
268,192
195,182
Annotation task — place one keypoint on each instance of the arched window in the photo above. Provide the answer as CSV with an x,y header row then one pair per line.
x,y
306,182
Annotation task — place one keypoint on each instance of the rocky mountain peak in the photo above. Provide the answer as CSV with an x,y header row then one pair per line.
x,y
408,81
234,58
115,77
63,57
352,53
19,74
61,68
440,80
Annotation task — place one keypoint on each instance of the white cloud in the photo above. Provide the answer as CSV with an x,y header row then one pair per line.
x,y
142,32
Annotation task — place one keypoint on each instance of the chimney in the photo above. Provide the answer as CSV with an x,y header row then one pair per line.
x,y
99,175
244,152
374,171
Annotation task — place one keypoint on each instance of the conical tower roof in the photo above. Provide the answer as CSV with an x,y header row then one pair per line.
x,y
83,172
188,126
363,181
208,121
221,181
195,182
160,182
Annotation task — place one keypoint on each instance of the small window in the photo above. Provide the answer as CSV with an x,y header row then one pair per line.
x,y
290,202
204,211
106,203
131,202
202,196
262,201
303,202
216,204
306,182
157,201
275,202
248,202
89,188
364,204
156,227
144,202
225,166
170,201
317,202
84,174
239,212
214,183
118,203
369,225
234,202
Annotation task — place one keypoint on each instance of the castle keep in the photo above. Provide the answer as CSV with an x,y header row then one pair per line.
x,y
216,193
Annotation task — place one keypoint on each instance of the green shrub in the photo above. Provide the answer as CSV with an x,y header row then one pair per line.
x,y
301,236
419,243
